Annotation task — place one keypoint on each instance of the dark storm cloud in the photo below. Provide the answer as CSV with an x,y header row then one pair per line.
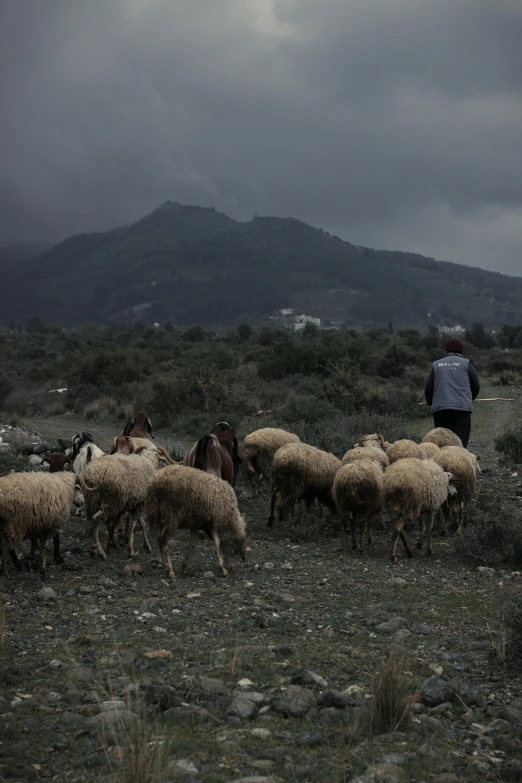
x,y
394,123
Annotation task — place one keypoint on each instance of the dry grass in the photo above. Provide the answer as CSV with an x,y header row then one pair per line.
x,y
128,410
101,405
390,703
141,756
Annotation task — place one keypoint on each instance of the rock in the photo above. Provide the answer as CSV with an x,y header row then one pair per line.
x,y
262,734
210,686
47,594
394,758
424,630
397,581
392,625
40,448
268,566
81,674
485,571
35,460
245,684
294,701
308,678
209,575
244,705
402,634
112,704
309,739
187,715
381,773
338,700
253,779
433,724
233,720
22,772
435,691
181,767
111,719
436,669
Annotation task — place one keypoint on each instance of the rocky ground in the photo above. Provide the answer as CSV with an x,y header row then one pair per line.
x,y
266,675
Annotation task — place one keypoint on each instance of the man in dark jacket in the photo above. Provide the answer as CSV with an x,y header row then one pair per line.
x,y
451,387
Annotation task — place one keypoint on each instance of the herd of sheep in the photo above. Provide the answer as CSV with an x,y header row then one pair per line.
x,y
139,484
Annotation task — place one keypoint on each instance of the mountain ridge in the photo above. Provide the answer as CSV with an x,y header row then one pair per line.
x,y
191,264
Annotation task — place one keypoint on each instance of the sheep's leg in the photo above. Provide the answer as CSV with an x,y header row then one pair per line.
x,y
16,560
272,506
43,557
350,528
362,531
460,519
96,548
129,534
422,527
430,529
192,544
58,559
398,530
112,524
381,519
405,542
34,547
163,542
369,526
146,542
215,539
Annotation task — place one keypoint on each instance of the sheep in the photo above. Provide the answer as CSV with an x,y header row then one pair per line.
x,y
358,492
114,485
413,486
259,448
188,498
463,465
429,450
86,454
36,506
303,472
403,449
139,427
441,437
375,441
374,454
57,461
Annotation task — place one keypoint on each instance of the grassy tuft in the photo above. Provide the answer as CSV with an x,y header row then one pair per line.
x,y
390,703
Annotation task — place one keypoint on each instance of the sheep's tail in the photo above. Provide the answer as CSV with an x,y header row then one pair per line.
x,y
86,487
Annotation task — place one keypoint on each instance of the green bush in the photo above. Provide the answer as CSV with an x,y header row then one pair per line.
x,y
510,445
492,534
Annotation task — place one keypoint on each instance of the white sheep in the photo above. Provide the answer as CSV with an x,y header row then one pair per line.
x,y
441,437
463,465
358,492
188,498
302,472
403,449
36,506
260,447
413,487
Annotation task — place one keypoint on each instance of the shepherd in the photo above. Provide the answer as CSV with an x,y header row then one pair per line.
x,y
451,387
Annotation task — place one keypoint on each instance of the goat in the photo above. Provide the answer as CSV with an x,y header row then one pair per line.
x,y
210,456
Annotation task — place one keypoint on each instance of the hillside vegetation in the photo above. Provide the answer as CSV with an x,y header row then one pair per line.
x,y
193,265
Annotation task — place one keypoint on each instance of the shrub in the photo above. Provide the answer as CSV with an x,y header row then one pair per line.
x,y
510,445
101,405
306,408
513,623
492,535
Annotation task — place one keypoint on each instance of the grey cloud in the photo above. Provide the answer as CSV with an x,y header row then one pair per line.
x,y
393,123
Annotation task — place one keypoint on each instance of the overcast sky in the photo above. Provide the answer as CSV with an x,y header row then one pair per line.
x,y
394,123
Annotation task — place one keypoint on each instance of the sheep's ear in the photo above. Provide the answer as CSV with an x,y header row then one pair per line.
x,y
451,478
149,428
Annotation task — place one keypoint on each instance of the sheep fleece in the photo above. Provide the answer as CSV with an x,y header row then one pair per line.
x,y
31,503
261,445
373,453
116,483
188,498
413,485
358,489
441,437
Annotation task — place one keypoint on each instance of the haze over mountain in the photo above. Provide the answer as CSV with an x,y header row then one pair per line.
x,y
190,264
390,123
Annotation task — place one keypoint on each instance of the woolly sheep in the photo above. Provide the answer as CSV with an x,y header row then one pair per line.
x,y
463,465
374,454
441,437
114,485
403,449
259,448
374,441
429,450
411,487
303,472
358,492
36,506
188,498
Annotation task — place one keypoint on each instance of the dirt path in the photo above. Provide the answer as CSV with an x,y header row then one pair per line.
x,y
302,601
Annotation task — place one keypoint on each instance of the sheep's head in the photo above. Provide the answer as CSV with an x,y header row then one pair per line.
x,y
452,480
234,550
79,440
375,441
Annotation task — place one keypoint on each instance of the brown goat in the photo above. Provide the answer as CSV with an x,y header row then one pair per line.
x,y
210,456
227,438
57,462
139,427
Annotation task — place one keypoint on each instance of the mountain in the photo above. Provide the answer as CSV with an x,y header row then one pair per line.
x,y
21,251
193,265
